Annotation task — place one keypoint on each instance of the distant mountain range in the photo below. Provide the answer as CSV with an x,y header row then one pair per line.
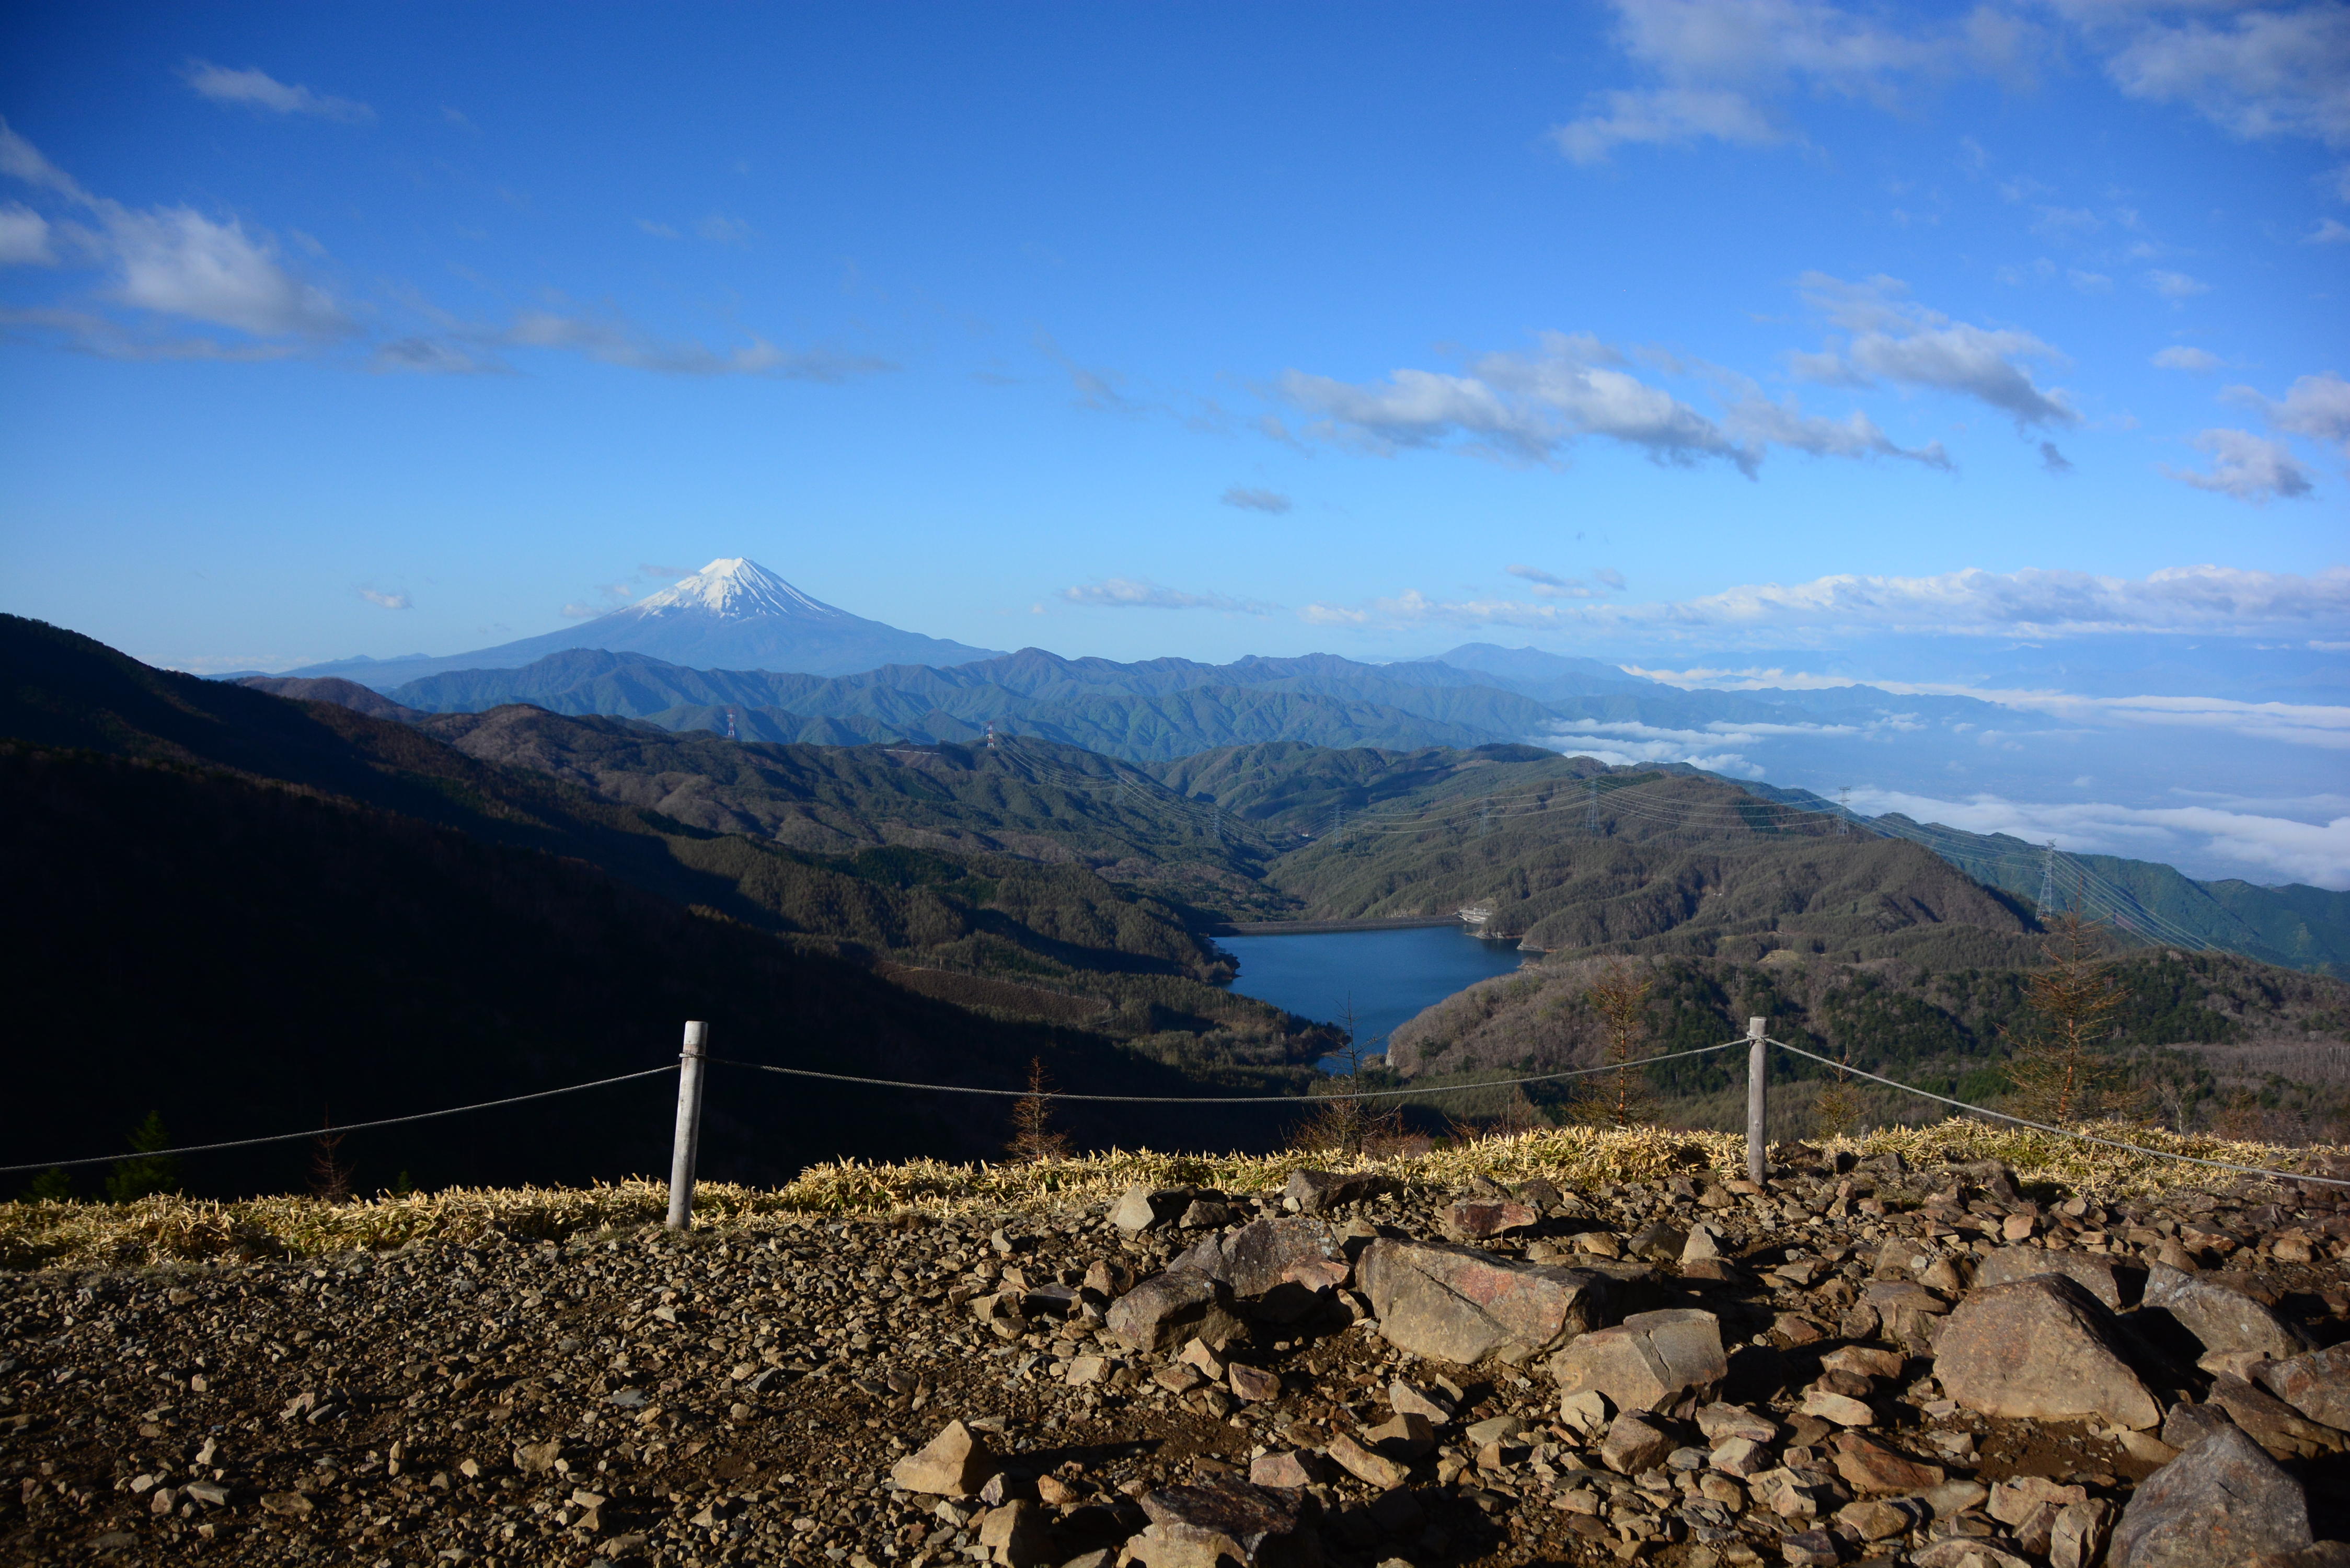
x,y
733,612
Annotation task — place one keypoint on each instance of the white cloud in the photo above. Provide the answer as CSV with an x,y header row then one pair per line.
x,y
1129,593
2246,466
611,339
2181,357
388,601
259,90
24,237
1250,500
1550,585
176,262
1893,338
2317,407
2176,285
2310,852
2281,71
433,356
1762,423
2329,232
658,231
1664,116
1720,61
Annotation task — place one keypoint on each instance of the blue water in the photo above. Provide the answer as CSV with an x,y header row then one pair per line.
x,y
1389,975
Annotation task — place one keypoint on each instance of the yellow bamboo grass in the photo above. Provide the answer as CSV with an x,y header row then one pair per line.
x,y
44,1234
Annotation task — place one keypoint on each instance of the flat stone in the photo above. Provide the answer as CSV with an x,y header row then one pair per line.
x,y
1318,1191
955,1463
2273,1424
1741,1457
1144,1209
1252,1386
1486,1217
1809,1549
1405,1437
1965,1552
1288,1468
1659,1243
538,1459
1168,1308
286,1504
2187,1425
2100,1276
1841,1408
1871,1467
1492,1429
2077,1538
1405,1399
1865,1360
2220,1319
1872,1519
1458,1304
1372,1469
2223,1504
1633,1446
1200,1526
2040,1348
1719,1422
2317,1385
1651,1361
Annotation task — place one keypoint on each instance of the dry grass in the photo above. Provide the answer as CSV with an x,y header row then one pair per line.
x,y
74,1235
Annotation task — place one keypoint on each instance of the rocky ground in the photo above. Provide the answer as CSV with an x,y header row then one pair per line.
x,y
1868,1363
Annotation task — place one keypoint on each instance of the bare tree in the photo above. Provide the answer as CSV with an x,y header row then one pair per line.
x,y
331,1173
2062,1072
1035,1139
1344,1122
1621,1098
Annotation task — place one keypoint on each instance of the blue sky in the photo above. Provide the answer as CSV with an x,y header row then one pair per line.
x,y
1205,331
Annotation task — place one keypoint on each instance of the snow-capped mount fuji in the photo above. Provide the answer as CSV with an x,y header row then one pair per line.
x,y
733,614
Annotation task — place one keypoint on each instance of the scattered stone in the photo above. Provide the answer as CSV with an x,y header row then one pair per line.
x,y
955,1463
1405,1399
1840,1409
1017,1533
2042,1348
1871,1467
1288,1468
1458,1304
2223,1504
1720,1422
2273,1424
1265,1254
1200,1526
1405,1437
1149,1208
1482,1218
1168,1308
1651,1361
1319,1192
1633,1446
1659,1243
1250,1384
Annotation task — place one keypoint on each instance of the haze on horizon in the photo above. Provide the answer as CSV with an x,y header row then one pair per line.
x,y
1990,348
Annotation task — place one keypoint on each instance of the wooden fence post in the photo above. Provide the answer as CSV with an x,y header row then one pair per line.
x,y
686,1146
1755,1047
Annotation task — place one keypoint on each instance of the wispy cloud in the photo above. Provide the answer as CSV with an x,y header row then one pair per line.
x,y
2245,466
175,262
2175,286
2312,852
2179,357
388,601
1550,585
1891,338
1251,500
1131,593
2317,407
24,237
2207,601
722,230
254,88
2283,70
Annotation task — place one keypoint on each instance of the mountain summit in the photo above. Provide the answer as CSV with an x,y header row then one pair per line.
x,y
733,614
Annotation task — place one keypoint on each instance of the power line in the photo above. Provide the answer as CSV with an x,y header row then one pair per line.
x,y
2064,1132
313,1132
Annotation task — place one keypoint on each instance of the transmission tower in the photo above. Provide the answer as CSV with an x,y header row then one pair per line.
x,y
1484,822
2048,877
1591,809
1844,811
1216,821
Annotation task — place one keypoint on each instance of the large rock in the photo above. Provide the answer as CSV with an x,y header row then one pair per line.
x,y
2040,1348
1318,1191
1458,1304
2223,1504
953,1464
2316,1384
1167,1309
2222,1320
1651,1361
2098,1276
1227,1520
2273,1424
1284,1266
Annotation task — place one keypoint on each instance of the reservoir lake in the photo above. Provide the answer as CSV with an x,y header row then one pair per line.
x,y
1390,975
